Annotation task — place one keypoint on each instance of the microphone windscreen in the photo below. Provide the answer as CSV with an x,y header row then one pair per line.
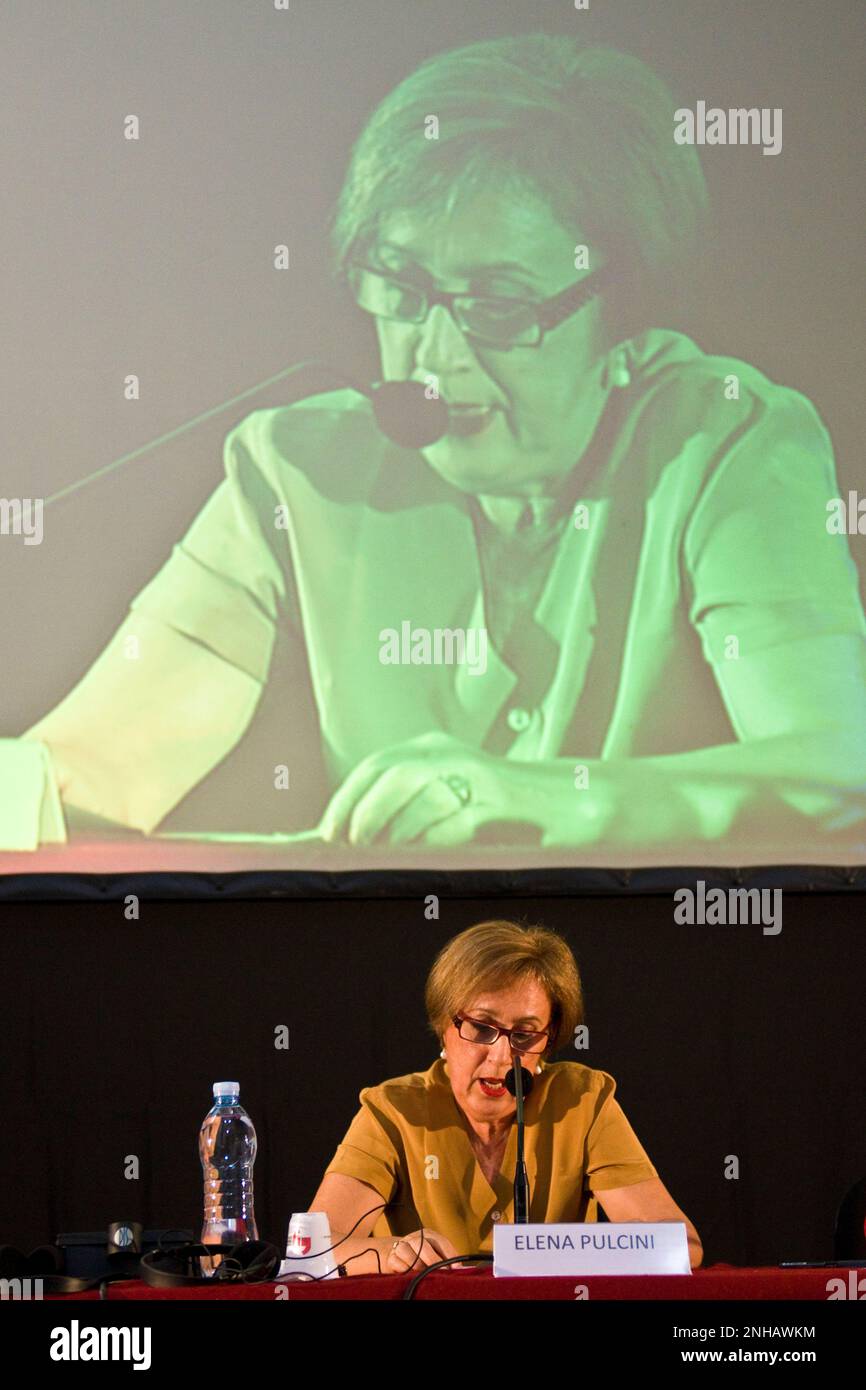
x,y
406,415
527,1078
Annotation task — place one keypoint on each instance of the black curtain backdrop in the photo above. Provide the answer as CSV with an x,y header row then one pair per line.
x,y
723,1041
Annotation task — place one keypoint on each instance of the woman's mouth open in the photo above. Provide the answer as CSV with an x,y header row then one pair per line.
x,y
492,1086
466,420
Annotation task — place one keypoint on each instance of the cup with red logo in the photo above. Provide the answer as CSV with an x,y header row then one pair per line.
x,y
308,1249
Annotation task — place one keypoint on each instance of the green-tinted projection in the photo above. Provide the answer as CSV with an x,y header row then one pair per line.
x,y
603,614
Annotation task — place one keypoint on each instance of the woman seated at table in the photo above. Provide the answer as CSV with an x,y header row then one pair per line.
x,y
438,1147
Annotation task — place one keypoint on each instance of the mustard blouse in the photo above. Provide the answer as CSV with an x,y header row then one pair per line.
x,y
411,1142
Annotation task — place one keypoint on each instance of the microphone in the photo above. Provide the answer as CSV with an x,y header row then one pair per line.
x,y
406,415
526,1078
520,1082
403,411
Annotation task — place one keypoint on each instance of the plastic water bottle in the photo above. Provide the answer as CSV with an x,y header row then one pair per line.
x,y
227,1148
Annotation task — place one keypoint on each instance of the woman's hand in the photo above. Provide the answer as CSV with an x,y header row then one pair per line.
x,y
650,1201
432,789
417,1251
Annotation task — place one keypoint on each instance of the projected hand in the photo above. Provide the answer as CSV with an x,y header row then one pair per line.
x,y
432,789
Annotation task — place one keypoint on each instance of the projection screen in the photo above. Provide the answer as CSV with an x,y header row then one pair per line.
x,y
433,436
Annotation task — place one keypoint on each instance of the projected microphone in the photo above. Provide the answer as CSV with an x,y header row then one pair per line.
x,y
403,411
520,1082
406,415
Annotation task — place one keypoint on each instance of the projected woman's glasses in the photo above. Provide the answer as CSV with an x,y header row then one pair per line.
x,y
497,321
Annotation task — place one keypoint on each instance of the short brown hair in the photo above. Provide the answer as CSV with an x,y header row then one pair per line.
x,y
493,955
589,129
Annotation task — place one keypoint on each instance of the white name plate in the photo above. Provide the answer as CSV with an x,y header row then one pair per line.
x,y
591,1247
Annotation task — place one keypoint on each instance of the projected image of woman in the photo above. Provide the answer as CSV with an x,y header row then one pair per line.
x,y
604,608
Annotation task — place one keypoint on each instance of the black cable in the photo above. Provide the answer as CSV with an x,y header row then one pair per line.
x,y
381,1206
398,1240
370,1250
442,1264
172,1231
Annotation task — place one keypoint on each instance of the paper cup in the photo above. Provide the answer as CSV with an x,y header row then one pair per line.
x,y
308,1251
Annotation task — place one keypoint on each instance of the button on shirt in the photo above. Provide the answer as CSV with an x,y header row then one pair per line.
x,y
410,1141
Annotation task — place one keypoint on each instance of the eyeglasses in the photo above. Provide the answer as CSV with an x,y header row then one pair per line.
x,y
486,1034
496,321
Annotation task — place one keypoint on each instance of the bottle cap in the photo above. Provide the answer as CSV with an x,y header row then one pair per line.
x,y
226,1088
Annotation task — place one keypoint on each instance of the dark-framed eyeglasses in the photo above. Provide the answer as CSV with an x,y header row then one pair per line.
x,y
494,320
486,1034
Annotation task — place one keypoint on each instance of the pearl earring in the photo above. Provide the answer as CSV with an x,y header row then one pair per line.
x,y
538,1070
442,1053
620,375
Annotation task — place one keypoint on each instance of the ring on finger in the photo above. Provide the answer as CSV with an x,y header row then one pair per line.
x,y
460,787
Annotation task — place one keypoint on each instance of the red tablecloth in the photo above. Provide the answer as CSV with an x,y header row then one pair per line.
x,y
719,1281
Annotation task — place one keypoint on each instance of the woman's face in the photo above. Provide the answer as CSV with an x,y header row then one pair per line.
x,y
476,1072
546,400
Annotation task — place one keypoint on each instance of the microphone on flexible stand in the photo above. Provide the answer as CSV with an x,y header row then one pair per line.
x,y
403,410
520,1082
